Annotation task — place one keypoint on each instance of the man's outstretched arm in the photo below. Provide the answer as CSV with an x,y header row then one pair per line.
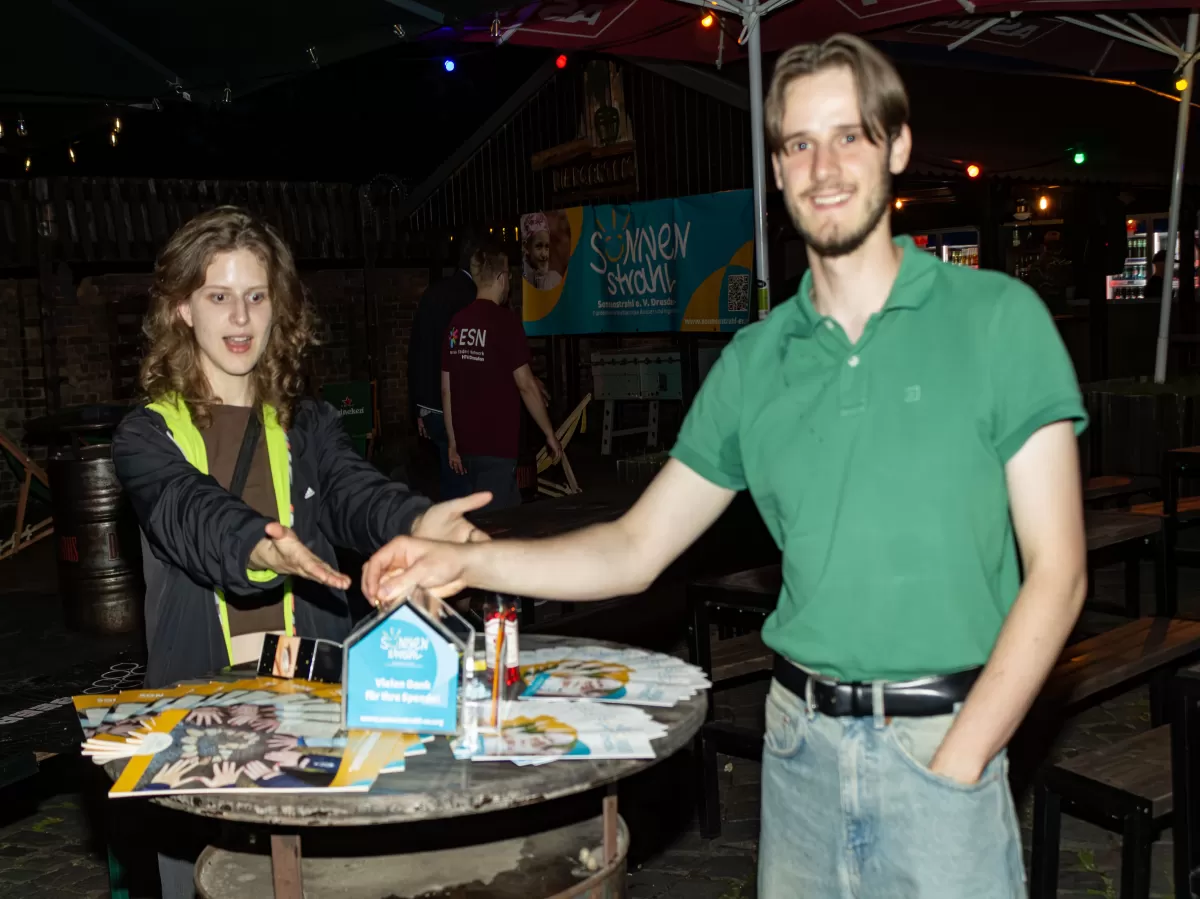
x,y
613,559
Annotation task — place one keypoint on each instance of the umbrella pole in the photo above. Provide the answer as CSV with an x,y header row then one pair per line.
x,y
1181,130
759,153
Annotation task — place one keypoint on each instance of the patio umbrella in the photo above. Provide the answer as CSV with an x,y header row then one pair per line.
x,y
1058,34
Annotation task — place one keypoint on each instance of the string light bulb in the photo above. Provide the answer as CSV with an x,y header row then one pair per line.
x,y
28,163
399,31
1080,157
22,131
1,130
495,30
71,153
707,20
448,65
899,204
1181,85
1043,202
117,125
112,138
973,170
561,62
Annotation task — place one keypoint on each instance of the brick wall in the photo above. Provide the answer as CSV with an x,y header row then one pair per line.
x,y
87,331
397,292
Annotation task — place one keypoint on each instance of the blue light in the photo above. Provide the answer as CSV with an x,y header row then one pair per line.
x,y
448,65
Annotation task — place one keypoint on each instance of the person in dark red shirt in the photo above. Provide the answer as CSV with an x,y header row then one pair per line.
x,y
485,369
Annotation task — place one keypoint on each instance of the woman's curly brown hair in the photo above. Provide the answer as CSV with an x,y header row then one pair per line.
x,y
172,363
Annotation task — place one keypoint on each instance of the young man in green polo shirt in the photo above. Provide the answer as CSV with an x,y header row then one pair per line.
x,y
903,426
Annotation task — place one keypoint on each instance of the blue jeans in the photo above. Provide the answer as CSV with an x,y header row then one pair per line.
x,y
495,474
850,810
451,485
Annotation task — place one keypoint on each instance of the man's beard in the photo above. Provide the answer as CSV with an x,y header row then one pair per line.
x,y
844,244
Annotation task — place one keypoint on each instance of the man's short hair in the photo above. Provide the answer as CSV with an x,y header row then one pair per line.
x,y
488,262
882,99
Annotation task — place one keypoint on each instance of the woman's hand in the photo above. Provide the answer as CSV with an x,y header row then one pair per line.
x,y
456,463
282,552
445,521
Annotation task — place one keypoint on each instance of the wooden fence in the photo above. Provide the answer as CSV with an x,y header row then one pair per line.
x,y
127,220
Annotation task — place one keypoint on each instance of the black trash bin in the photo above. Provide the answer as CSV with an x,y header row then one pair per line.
x,y
99,547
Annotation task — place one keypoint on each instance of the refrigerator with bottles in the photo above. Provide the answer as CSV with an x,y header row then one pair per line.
x,y
1146,234
958,246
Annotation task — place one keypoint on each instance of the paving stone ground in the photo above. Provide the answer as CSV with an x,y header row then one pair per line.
x,y
50,847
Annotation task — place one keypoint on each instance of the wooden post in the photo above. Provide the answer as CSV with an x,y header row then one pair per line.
x,y
285,866
611,831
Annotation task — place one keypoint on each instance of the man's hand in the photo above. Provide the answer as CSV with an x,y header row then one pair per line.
x,y
553,448
421,427
961,769
407,564
282,552
445,521
456,463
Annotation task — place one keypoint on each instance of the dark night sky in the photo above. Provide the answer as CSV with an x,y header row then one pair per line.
x,y
394,111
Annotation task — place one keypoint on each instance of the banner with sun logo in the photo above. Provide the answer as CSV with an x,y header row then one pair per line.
x,y
663,265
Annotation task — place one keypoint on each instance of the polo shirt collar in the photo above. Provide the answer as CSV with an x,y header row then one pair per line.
x,y
909,291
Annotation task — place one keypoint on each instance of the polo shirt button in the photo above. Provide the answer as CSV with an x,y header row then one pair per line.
x,y
829,324
852,362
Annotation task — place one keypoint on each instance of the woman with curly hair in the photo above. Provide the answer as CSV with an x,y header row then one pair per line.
x,y
240,483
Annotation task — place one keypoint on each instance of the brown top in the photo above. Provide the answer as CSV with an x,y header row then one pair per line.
x,y
222,440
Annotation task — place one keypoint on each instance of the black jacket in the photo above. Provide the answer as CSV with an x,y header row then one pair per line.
x,y
197,537
440,303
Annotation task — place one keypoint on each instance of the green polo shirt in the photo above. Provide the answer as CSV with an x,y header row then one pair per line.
x,y
878,467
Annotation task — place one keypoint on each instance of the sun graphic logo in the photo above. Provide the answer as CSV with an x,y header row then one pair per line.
x,y
401,646
613,234
453,337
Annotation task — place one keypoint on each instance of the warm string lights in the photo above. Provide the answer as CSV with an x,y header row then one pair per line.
x,y
22,131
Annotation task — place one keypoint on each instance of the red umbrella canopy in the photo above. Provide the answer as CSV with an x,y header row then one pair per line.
x,y
664,29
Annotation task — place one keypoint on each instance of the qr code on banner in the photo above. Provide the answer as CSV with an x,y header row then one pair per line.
x,y
739,293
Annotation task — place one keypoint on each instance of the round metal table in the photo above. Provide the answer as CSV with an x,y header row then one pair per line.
x,y
436,786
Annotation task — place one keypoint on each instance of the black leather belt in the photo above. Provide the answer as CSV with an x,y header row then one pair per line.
x,y
910,699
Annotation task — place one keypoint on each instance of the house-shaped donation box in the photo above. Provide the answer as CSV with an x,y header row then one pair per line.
x,y
404,670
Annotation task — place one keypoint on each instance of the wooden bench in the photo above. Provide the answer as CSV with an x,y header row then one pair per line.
x,y
1148,650
740,601
1176,513
1114,537
1124,788
1092,671
1102,490
736,658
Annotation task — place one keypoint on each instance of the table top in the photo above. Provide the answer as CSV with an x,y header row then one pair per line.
x,y
436,785
550,517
